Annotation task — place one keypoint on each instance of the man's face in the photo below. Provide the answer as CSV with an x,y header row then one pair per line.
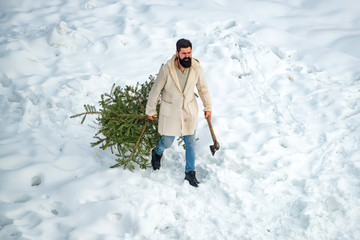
x,y
184,56
184,53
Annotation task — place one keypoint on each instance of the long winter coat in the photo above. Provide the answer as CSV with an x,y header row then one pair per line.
x,y
178,110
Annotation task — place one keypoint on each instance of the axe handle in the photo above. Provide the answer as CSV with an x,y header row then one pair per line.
x,y
211,130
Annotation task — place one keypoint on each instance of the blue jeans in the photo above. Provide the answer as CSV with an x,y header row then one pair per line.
x,y
190,143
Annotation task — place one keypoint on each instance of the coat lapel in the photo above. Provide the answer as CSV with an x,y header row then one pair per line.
x,y
173,72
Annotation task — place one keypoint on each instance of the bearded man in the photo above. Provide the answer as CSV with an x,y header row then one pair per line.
x,y
178,109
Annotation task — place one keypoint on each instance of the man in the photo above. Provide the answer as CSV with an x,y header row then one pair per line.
x,y
178,109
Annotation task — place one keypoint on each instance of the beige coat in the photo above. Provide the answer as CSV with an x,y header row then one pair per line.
x,y
178,110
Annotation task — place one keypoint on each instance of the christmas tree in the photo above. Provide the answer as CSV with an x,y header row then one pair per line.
x,y
124,126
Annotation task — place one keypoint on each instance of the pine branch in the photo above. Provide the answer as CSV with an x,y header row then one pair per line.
x,y
89,110
131,158
142,109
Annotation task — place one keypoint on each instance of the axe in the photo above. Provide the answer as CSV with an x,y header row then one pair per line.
x,y
216,146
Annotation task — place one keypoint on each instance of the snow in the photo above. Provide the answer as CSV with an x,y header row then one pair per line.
x,y
285,83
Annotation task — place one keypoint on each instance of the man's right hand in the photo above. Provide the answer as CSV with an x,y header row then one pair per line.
x,y
152,117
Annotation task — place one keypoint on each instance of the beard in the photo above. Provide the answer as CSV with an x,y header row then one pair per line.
x,y
185,62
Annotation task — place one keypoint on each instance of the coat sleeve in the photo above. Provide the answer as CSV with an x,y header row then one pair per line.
x,y
155,92
204,93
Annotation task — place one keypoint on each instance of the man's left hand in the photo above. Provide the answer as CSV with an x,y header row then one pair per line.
x,y
207,115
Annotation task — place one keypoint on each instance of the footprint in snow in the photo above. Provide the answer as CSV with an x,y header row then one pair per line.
x,y
35,181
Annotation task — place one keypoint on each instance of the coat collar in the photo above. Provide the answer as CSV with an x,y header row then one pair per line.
x,y
194,66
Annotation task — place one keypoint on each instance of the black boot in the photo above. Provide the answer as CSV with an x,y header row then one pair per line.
x,y
190,176
155,160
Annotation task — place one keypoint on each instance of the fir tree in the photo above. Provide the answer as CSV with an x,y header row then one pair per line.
x,y
124,126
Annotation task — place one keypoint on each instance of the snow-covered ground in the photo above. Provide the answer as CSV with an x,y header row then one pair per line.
x,y
285,82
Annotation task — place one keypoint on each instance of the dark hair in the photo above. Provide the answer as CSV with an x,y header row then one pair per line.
x,y
183,43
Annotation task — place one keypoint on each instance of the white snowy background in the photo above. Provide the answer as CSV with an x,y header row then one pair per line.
x,y
285,82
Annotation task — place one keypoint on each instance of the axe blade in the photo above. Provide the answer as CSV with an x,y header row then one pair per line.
x,y
216,145
212,149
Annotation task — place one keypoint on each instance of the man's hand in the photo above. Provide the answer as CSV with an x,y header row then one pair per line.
x,y
207,115
152,117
